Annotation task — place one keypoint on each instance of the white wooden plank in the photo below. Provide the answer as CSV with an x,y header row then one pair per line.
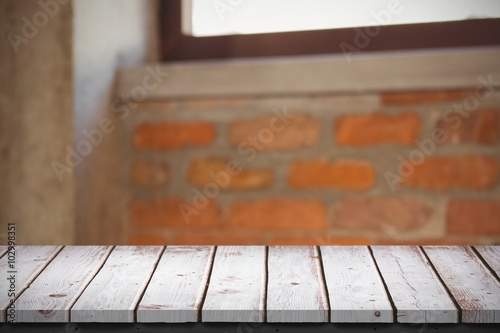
x,y
417,293
296,290
236,292
51,295
175,292
29,262
357,293
491,254
114,293
472,285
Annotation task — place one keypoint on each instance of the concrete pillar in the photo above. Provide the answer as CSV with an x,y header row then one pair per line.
x,y
36,112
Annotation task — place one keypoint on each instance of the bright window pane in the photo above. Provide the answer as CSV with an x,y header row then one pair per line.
x,y
231,17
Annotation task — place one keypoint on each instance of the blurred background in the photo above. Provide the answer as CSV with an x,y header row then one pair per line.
x,y
250,122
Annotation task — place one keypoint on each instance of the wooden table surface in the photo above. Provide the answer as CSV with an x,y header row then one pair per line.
x,y
276,284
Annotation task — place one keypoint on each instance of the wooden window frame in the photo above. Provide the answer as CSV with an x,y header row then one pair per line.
x,y
174,46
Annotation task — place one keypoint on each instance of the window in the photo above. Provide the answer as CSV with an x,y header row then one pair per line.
x,y
224,17
208,29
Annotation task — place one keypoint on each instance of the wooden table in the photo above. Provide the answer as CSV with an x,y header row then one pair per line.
x,y
343,285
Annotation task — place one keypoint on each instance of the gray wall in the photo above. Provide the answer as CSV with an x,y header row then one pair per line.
x,y
108,35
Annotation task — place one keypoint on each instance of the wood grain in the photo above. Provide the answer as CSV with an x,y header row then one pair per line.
x,y
175,292
236,292
491,254
296,290
114,293
417,293
51,295
355,288
472,285
29,262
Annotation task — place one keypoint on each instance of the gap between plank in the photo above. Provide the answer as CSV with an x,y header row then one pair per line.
x,y
484,262
324,285
204,297
4,251
394,309
266,282
147,283
70,306
455,302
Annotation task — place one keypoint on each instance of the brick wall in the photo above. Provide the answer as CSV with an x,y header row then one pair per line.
x,y
388,168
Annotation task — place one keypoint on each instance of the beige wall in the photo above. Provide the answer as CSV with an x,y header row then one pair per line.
x,y
36,102
108,35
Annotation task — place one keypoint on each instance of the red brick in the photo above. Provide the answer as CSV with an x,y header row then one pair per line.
x,y
217,238
320,240
377,128
227,174
444,173
424,97
474,217
269,133
482,127
348,175
381,214
166,213
150,174
146,239
173,135
278,214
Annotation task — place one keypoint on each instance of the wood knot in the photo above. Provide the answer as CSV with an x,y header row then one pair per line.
x,y
46,313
